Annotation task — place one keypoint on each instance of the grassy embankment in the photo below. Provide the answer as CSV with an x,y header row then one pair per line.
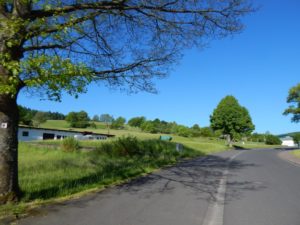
x,y
208,145
296,153
49,174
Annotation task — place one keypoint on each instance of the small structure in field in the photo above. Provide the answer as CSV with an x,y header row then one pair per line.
x,y
26,133
287,141
165,138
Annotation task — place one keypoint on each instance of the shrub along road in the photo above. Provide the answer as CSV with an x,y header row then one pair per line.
x,y
261,189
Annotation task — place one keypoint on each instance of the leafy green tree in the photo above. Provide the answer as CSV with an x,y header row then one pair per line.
x,y
96,118
195,130
272,140
55,47
39,118
26,115
232,119
196,127
78,119
294,100
118,123
55,116
183,131
149,126
296,137
173,127
106,118
136,121
93,125
207,132
258,137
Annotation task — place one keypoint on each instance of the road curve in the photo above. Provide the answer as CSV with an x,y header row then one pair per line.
x,y
266,191
259,189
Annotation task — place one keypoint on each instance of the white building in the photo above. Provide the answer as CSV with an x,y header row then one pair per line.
x,y
32,133
288,141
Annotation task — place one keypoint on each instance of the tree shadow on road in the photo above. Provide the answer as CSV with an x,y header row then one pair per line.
x,y
199,177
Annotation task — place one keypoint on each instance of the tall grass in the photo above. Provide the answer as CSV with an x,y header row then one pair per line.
x,y
51,173
296,153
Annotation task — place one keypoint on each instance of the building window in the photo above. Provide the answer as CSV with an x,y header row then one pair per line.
x,y
25,133
48,136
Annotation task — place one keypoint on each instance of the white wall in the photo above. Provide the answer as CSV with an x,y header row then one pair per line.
x,y
37,134
289,143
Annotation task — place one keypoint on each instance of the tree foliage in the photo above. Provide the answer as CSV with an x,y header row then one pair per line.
x,y
183,131
78,119
256,137
118,123
294,100
272,140
106,118
39,118
296,138
96,118
26,115
136,121
231,118
207,132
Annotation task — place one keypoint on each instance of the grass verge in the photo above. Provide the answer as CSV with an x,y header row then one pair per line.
x,y
296,153
47,174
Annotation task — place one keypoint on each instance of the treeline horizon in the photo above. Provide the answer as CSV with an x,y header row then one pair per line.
x,y
82,120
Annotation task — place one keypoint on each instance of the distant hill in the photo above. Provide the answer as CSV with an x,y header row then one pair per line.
x,y
288,134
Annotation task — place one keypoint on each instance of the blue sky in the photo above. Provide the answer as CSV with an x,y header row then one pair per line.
x,y
257,66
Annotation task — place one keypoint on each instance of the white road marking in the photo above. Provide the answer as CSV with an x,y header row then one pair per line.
x,y
215,211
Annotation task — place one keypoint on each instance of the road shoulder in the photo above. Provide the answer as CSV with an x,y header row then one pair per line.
x,y
288,156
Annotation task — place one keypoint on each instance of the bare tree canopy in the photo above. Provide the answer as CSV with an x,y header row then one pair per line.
x,y
122,43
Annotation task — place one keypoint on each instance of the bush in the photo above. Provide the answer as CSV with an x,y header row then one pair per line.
x,y
123,146
134,148
70,144
273,140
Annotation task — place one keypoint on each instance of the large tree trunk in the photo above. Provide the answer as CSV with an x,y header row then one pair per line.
x,y
229,140
9,118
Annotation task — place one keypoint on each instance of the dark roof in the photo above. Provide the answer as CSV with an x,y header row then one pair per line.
x,y
71,131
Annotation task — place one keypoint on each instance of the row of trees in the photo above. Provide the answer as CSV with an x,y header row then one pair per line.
x,y
229,120
161,126
82,120
33,117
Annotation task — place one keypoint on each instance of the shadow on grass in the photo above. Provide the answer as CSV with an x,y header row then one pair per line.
x,y
106,175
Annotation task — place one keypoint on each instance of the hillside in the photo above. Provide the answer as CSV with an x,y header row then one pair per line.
x,y
205,144
288,134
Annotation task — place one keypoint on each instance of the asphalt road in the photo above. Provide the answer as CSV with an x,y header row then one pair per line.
x,y
250,187
266,191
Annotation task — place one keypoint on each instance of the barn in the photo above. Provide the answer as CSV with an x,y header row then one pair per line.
x,y
26,133
287,141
